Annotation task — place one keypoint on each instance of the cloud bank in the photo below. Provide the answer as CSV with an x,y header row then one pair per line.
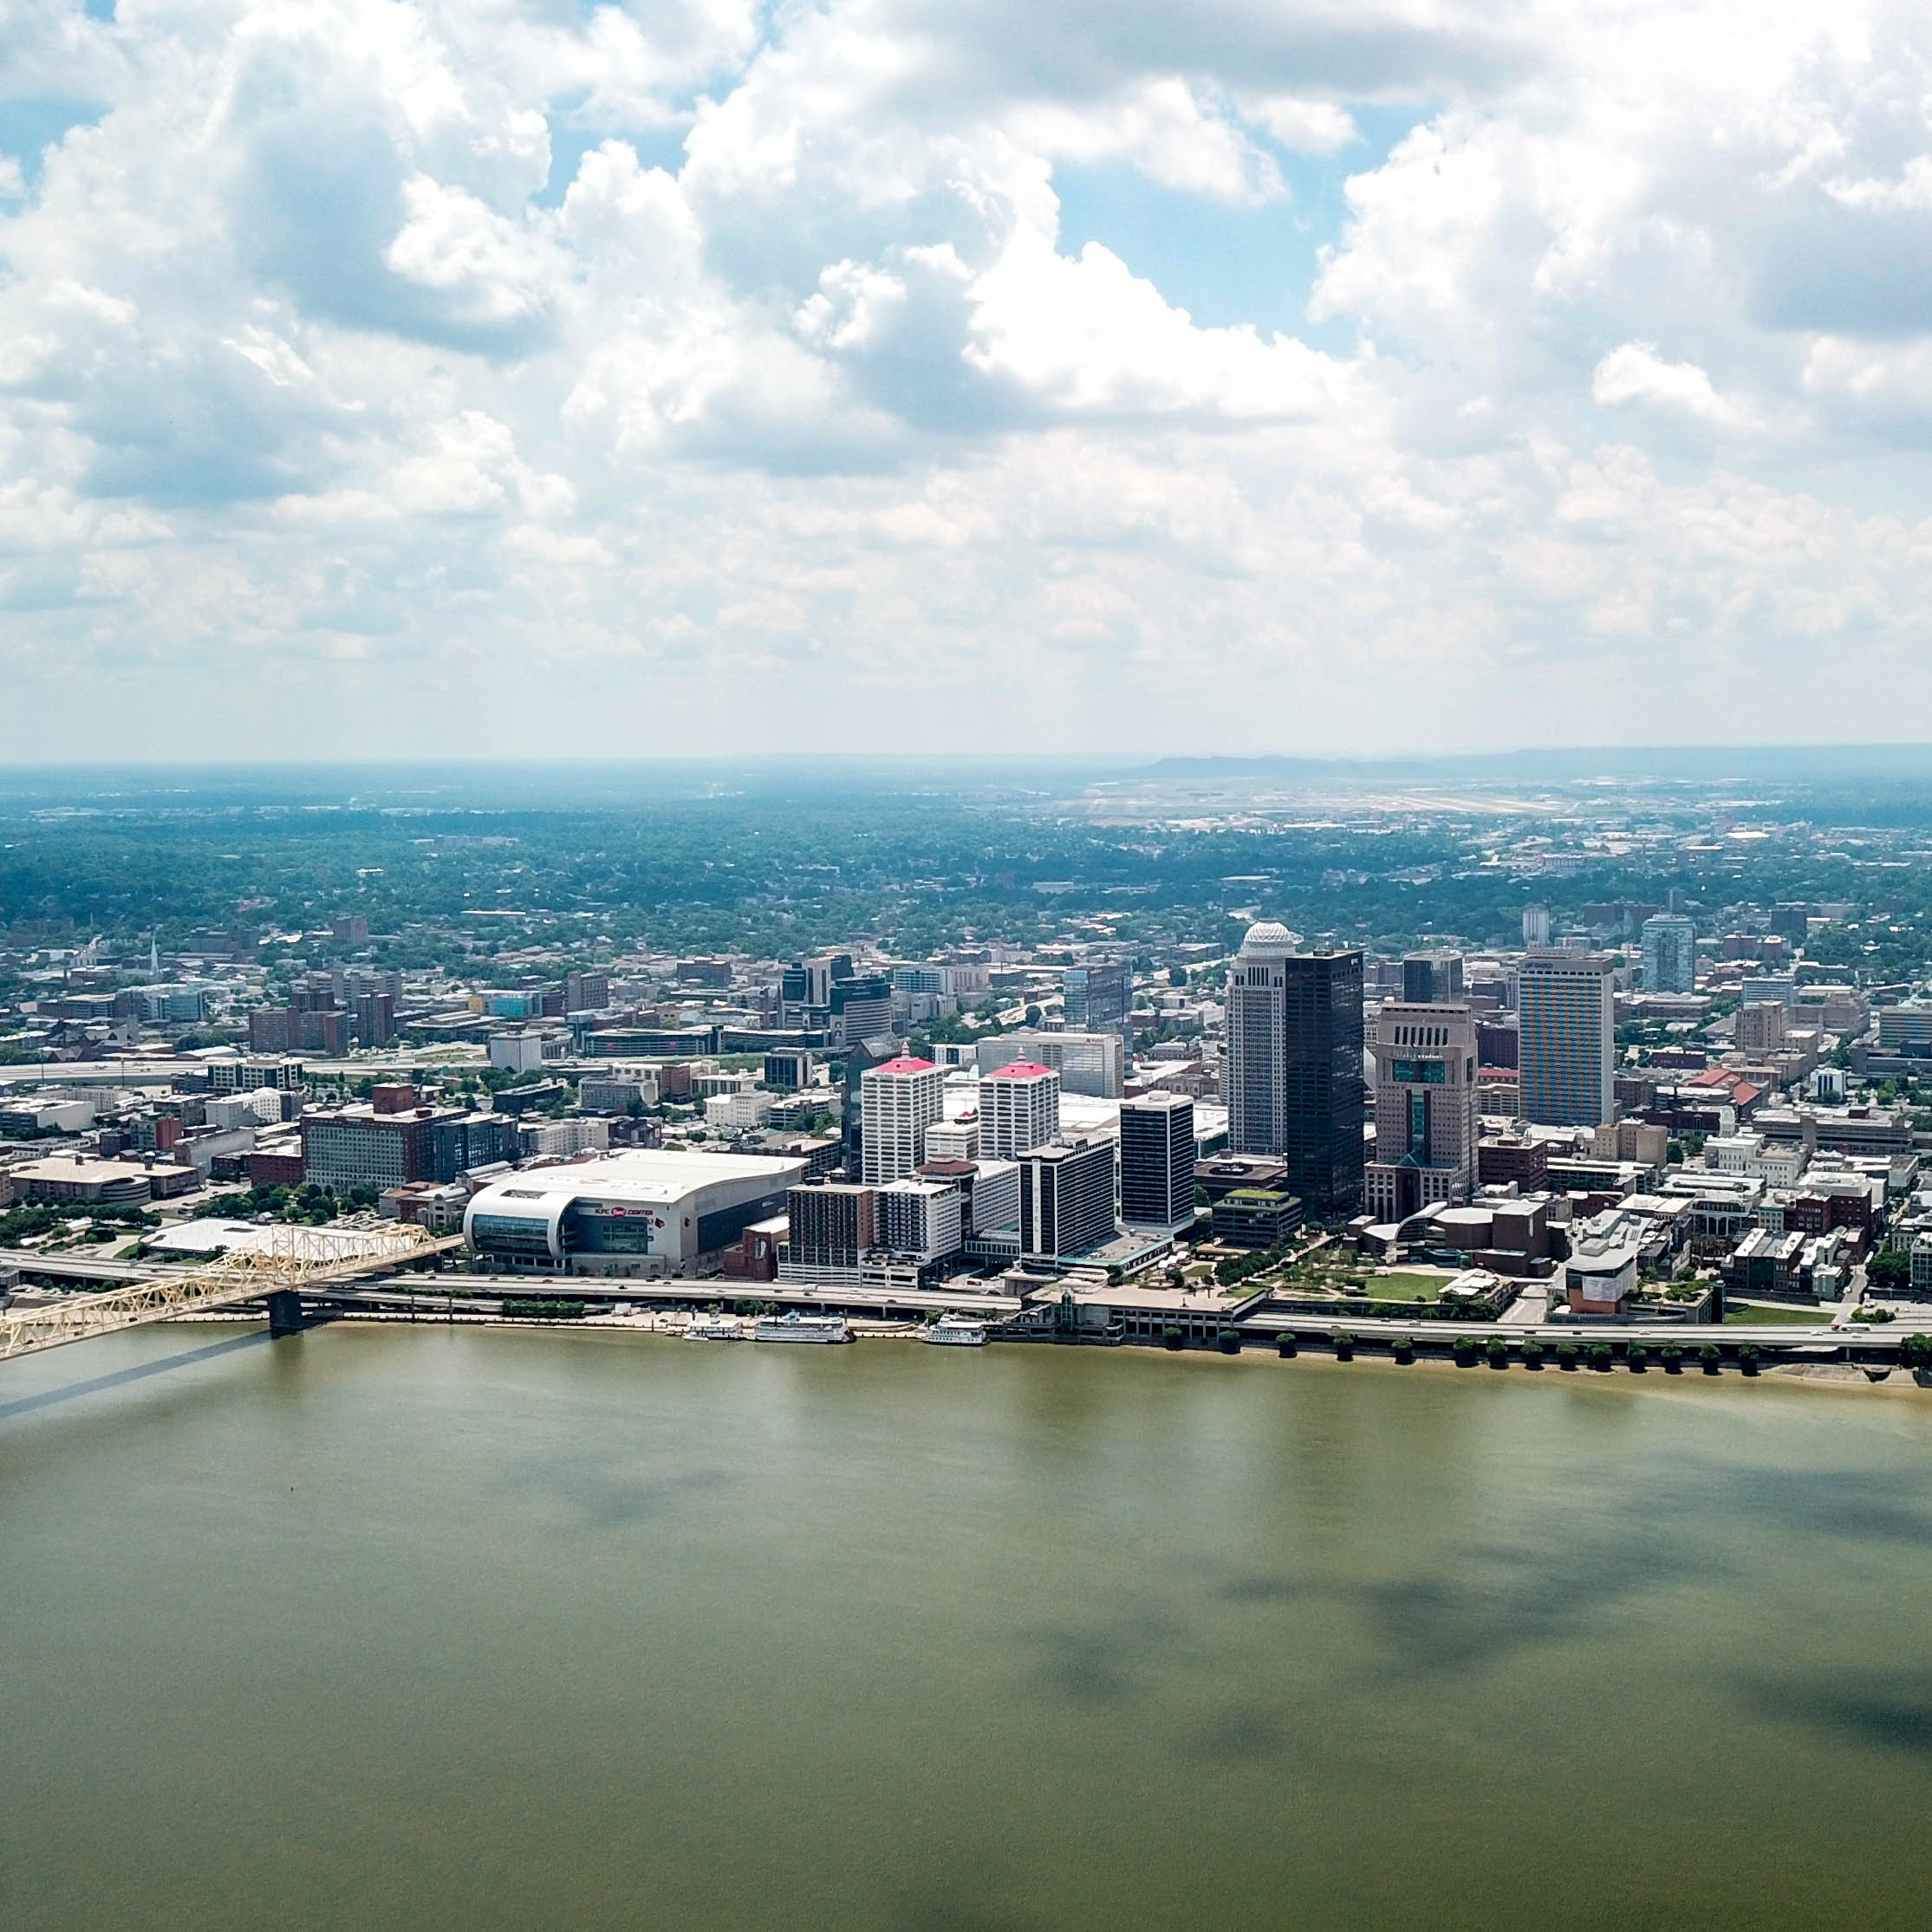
x,y
524,376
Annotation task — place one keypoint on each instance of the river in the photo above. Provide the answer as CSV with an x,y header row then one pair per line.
x,y
428,1629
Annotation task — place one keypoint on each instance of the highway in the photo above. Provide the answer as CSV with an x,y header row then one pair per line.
x,y
81,1267
1786,1337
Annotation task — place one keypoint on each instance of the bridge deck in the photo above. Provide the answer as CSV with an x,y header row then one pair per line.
x,y
145,1294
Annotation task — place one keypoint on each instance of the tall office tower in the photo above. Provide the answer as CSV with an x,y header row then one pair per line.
x,y
1432,979
1761,1027
1670,953
898,1100
1536,925
1293,1076
1099,998
1066,1198
1567,1038
819,975
1019,1109
585,993
858,1010
833,1224
1425,1108
375,1018
1157,1161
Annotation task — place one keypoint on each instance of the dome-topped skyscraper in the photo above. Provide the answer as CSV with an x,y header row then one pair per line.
x,y
1292,1074
1269,937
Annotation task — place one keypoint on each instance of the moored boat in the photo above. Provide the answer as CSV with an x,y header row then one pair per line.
x,y
793,1327
956,1332
715,1327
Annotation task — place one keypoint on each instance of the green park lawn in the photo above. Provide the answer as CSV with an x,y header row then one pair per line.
x,y
1417,1288
1405,1287
1767,1317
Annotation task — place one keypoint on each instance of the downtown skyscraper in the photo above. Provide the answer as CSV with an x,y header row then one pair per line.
x,y
1292,1080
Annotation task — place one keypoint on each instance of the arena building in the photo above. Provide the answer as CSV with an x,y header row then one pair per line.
x,y
644,1212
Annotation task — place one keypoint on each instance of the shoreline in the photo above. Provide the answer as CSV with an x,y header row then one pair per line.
x,y
1830,1377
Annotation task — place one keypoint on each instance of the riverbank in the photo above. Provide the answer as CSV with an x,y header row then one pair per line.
x,y
1829,1377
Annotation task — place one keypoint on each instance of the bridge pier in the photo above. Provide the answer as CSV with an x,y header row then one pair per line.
x,y
285,1317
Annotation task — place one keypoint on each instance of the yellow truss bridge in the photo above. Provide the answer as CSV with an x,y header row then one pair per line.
x,y
280,1261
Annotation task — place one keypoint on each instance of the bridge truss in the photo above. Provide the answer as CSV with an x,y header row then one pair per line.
x,y
290,1260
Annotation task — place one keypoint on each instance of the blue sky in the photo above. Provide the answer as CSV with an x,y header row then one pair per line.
x,y
1228,376
1228,264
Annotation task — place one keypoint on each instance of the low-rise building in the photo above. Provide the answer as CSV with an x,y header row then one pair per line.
x,y
616,1093
739,1112
1600,1276
1766,1265
438,1206
1509,1160
1777,1163
563,1138
1256,1217
78,1179
1921,1264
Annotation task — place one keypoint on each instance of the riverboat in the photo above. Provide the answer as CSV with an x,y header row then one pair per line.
x,y
793,1327
956,1332
714,1328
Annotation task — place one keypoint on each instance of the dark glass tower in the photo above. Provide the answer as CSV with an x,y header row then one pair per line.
x,y
1322,1090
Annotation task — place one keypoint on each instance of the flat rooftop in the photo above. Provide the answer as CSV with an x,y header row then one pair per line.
x,y
651,1174
82,1168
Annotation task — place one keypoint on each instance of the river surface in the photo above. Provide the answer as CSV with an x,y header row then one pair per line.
x,y
388,1628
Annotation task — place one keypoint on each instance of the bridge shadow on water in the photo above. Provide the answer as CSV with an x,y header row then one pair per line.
x,y
122,1378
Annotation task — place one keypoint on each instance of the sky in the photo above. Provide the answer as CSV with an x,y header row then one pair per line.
x,y
696,377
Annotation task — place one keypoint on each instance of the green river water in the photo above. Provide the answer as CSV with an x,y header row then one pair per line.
x,y
424,1629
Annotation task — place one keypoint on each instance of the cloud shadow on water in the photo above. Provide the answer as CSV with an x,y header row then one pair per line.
x,y
1890,1713
1090,1669
1518,1597
601,1498
1874,1506
1237,1735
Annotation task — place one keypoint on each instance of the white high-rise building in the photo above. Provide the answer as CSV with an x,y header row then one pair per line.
x,y
898,1101
1536,925
1251,1081
919,1219
995,1196
1019,1110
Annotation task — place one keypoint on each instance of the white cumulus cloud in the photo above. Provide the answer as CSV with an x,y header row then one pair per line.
x,y
799,369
